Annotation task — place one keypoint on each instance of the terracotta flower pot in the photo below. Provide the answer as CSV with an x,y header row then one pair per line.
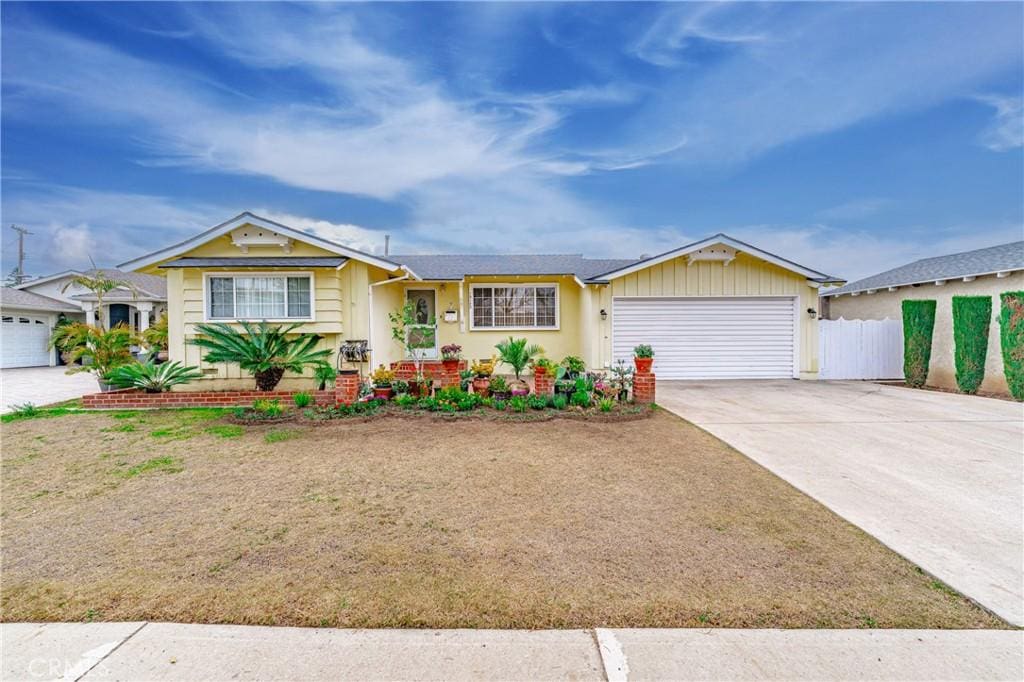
x,y
540,371
643,365
518,387
382,392
482,386
451,365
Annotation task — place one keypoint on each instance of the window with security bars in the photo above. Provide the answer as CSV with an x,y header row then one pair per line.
x,y
260,297
515,307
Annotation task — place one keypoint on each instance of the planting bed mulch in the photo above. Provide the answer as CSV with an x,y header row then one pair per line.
x,y
621,413
173,515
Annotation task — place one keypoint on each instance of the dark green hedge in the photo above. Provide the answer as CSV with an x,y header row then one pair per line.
x,y
972,316
1011,336
918,324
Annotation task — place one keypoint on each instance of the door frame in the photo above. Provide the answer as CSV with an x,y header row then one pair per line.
x,y
428,354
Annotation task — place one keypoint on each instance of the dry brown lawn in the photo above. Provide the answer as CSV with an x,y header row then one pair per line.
x,y
174,516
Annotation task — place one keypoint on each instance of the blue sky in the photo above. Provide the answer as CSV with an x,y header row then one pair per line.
x,y
848,137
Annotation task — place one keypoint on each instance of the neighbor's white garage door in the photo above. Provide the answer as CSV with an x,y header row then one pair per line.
x,y
709,338
23,340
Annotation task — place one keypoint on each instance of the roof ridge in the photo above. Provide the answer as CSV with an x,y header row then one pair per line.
x,y
964,253
478,255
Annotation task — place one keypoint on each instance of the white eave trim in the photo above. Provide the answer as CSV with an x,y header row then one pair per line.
x,y
251,219
49,278
710,241
1000,274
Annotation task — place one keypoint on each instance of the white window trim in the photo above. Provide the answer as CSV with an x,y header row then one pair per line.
x,y
492,285
260,273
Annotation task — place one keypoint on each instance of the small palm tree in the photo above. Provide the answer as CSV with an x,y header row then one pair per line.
x,y
517,353
262,350
99,283
103,349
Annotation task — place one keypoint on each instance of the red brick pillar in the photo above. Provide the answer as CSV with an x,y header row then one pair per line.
x,y
543,382
450,375
643,387
346,387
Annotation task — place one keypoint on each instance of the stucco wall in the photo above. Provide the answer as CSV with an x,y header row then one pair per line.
x,y
745,276
942,372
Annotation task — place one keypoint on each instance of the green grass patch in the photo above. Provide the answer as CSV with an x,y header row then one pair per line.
x,y
167,465
172,433
127,427
279,435
942,587
129,414
225,430
36,413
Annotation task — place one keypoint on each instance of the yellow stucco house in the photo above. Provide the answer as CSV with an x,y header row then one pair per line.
x,y
717,308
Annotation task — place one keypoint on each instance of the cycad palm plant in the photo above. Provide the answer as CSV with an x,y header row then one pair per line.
x,y
517,353
264,351
153,378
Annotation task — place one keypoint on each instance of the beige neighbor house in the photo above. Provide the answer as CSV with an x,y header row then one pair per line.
x,y
717,308
983,272
32,308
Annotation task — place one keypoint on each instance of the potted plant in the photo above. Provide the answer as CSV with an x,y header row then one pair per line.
x,y
643,358
517,354
499,388
400,387
542,367
101,350
482,371
156,338
263,350
382,379
465,379
451,355
566,373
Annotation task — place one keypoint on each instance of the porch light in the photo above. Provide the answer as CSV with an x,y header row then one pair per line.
x,y
604,314
812,313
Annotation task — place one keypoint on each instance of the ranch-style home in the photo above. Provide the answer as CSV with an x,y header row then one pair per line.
x,y
715,309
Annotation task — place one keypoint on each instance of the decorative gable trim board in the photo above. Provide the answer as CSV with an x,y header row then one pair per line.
x,y
257,262
256,221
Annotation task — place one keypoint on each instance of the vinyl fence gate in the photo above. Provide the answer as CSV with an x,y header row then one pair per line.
x,y
860,349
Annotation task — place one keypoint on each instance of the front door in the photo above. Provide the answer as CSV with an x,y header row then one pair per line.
x,y
423,336
119,314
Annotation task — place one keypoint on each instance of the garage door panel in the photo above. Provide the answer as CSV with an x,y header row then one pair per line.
x,y
24,341
709,338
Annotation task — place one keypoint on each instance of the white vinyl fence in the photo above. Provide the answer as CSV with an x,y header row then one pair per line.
x,y
860,349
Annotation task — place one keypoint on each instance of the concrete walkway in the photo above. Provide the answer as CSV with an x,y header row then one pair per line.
x,y
937,477
42,386
166,651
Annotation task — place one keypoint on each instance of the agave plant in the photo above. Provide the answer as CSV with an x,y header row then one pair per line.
x,y
153,378
264,351
517,353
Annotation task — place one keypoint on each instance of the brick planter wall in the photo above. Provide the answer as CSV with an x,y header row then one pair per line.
x,y
346,387
406,370
543,384
131,398
643,387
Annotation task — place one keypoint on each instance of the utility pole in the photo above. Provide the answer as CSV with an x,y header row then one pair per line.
x,y
19,274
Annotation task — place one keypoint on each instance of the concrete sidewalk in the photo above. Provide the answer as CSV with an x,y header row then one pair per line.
x,y
167,651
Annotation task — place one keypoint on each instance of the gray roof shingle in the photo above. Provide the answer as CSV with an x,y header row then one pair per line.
x,y
1000,258
457,266
26,300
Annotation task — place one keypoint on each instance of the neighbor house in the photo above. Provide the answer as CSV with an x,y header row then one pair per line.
x,y
982,272
32,308
717,308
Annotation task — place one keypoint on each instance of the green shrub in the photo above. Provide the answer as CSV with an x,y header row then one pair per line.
x,y
405,400
559,402
537,402
302,400
918,325
518,404
606,404
268,408
580,399
1011,337
643,351
499,405
971,318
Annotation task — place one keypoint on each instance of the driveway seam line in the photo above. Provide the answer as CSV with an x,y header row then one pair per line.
x,y
107,655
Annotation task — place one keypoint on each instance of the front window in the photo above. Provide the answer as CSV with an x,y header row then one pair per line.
x,y
260,297
515,307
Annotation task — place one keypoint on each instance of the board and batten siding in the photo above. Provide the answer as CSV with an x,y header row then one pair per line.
x,y
340,307
746,276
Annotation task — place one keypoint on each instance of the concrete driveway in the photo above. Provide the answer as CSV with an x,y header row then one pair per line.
x,y
937,477
42,386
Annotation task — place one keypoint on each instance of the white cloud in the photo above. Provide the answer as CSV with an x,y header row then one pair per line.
x,y
69,244
1007,129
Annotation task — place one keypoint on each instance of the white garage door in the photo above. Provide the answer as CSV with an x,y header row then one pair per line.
x,y
24,340
709,338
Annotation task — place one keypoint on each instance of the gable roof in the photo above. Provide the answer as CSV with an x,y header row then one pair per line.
x,y
148,286
457,266
27,300
987,261
719,238
271,262
247,218
49,278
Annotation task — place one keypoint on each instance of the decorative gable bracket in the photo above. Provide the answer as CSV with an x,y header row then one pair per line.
x,y
249,235
715,253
